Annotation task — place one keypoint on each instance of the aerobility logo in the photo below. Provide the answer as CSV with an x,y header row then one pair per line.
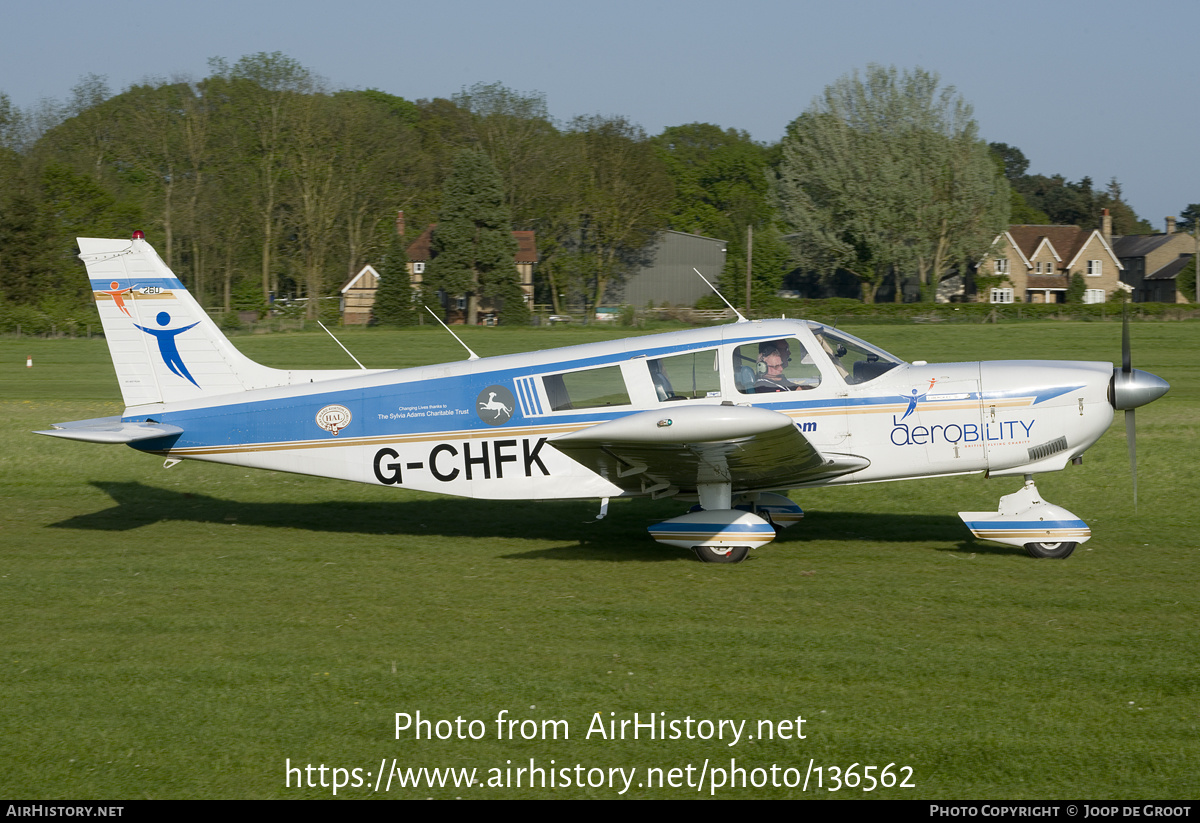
x,y
167,346
956,433
953,433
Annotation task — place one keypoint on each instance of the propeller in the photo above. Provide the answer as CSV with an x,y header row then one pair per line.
x,y
1129,389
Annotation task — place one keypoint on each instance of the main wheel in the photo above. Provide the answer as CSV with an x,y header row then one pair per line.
x,y
1057,550
712,554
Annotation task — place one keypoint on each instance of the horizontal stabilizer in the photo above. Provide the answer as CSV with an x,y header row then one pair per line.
x,y
110,430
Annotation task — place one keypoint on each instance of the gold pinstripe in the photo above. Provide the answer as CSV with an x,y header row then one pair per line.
x,y
475,434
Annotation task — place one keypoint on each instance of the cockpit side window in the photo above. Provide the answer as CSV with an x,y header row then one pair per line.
x,y
774,366
686,376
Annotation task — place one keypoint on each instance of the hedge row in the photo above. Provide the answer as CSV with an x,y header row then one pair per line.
x,y
68,321
831,309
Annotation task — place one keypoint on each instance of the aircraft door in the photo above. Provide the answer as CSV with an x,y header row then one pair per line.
x,y
942,419
784,375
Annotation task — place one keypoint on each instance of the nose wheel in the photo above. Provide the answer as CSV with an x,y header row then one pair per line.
x,y
721,554
1025,519
1054,550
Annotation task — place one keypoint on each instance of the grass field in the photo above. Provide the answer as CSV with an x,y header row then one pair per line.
x,y
188,633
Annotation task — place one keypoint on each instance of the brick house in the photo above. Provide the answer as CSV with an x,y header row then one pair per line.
x,y
421,252
1037,263
358,294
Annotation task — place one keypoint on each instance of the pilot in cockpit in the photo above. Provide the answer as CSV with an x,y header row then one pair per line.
x,y
773,358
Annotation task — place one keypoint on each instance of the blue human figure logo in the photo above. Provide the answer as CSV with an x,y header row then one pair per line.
x,y
167,348
912,401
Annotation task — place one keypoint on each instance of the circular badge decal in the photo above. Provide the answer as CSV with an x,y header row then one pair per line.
x,y
333,418
495,405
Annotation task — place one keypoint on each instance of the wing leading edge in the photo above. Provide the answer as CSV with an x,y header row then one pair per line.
x,y
750,448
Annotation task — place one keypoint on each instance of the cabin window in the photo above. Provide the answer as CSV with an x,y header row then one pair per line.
x,y
774,366
586,389
686,376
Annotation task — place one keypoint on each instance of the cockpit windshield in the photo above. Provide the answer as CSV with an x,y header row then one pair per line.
x,y
856,360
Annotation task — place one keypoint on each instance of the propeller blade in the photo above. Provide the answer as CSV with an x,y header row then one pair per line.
x,y
1131,438
1126,355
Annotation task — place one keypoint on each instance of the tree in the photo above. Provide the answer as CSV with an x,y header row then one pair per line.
x,y
473,243
394,299
1185,281
1076,288
264,91
886,172
1012,161
516,132
722,189
620,195
11,125
1189,218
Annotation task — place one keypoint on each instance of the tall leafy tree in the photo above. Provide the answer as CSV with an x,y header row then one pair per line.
x,y
473,242
1189,218
515,130
722,189
886,173
395,299
264,92
620,193
1039,199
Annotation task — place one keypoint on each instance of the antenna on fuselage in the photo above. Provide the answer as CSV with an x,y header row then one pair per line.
x,y
339,342
740,319
473,356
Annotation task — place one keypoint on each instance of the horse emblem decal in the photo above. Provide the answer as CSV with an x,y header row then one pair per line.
x,y
495,405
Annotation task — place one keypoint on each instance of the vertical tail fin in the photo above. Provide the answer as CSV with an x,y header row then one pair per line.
x,y
165,348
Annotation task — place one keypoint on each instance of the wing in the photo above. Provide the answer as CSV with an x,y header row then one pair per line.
x,y
749,447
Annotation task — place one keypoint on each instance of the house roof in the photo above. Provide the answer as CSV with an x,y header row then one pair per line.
x,y
1172,269
1065,242
421,248
367,269
1140,245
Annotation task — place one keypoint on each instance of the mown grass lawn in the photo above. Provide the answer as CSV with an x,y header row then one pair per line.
x,y
190,632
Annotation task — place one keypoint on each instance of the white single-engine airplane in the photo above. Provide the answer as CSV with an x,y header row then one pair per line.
x,y
728,417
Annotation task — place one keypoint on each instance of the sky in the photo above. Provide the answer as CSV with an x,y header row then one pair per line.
x,y
1082,88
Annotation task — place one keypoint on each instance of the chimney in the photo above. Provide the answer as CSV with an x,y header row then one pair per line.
x,y
400,223
1170,225
1106,226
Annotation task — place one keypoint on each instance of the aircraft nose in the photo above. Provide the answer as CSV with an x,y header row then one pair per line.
x,y
1133,388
